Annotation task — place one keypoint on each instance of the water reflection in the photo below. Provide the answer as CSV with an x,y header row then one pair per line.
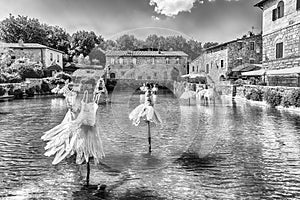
x,y
226,150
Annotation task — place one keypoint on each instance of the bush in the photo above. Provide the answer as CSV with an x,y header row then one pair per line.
x,y
255,94
239,82
45,87
38,89
273,97
30,92
18,93
295,98
287,99
2,91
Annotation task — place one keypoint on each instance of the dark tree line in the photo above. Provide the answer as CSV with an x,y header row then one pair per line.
x,y
85,43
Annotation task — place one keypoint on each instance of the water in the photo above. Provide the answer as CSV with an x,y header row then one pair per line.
x,y
229,150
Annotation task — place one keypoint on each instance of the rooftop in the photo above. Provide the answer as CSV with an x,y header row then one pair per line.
x,y
146,53
26,46
260,3
224,44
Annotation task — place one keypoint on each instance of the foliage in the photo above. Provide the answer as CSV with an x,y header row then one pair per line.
x,y
18,93
45,88
295,98
82,42
62,75
255,94
273,97
30,92
287,99
2,91
239,82
30,30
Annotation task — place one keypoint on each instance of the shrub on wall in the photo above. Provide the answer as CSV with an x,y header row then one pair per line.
x,y
295,98
2,91
273,97
255,94
239,82
287,99
30,92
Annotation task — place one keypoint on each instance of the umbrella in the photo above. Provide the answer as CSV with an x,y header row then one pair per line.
x,y
202,75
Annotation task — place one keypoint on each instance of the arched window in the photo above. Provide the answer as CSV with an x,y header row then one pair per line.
x,y
222,78
280,9
112,75
193,68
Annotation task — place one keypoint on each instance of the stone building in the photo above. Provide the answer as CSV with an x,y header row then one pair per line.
x,y
35,53
146,65
281,40
220,61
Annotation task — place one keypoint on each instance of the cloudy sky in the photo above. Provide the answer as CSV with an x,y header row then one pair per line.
x,y
203,20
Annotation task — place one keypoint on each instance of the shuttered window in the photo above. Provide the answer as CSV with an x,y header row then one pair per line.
x,y
280,8
274,15
279,50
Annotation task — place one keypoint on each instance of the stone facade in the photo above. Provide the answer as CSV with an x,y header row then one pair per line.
x,y
218,61
283,30
146,65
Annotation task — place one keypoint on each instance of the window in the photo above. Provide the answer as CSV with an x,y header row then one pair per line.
x,y
274,14
121,61
280,9
298,5
197,68
153,61
122,73
167,61
239,61
211,64
155,74
251,60
279,50
134,61
240,45
112,61
222,63
193,68
51,56
207,68
252,46
140,77
57,58
112,75
177,61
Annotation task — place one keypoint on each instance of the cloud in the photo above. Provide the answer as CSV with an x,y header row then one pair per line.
x,y
171,8
155,18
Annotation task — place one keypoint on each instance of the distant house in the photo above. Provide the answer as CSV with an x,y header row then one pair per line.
x,y
146,65
281,41
227,60
36,53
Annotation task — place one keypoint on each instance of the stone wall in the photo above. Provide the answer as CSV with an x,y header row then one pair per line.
x,y
34,55
241,50
213,66
147,67
197,65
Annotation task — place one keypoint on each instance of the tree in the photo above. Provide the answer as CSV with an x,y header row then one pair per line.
x,y
82,42
209,44
97,56
12,29
126,42
57,38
